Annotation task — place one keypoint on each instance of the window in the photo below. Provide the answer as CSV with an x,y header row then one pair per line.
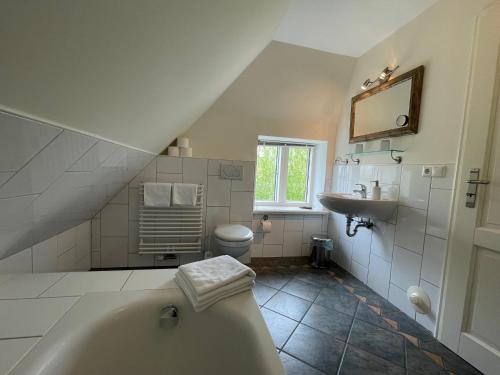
x,y
284,172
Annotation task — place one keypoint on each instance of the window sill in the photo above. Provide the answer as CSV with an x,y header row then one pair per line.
x,y
288,210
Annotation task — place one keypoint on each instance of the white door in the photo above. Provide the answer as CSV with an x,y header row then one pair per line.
x,y
470,315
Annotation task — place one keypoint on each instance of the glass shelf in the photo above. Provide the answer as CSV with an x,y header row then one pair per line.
x,y
397,159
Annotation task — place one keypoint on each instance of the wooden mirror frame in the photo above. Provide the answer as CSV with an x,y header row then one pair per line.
x,y
417,77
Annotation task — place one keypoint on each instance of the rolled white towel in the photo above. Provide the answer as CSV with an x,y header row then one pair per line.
x,y
207,281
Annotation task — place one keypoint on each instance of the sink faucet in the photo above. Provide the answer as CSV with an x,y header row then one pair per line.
x,y
361,191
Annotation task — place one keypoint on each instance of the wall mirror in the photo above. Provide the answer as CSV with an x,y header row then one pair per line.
x,y
388,110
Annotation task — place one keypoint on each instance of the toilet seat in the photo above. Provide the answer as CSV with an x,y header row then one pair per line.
x,y
233,233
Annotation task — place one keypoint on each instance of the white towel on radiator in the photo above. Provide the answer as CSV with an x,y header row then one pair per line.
x,y
157,194
184,195
211,280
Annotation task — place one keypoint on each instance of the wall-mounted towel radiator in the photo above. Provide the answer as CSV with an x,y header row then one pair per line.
x,y
171,230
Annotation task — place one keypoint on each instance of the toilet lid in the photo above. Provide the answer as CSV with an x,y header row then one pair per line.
x,y
233,232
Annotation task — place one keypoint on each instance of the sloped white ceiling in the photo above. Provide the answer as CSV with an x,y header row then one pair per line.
x,y
346,27
134,72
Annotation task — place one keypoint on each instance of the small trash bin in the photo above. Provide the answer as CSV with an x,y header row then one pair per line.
x,y
321,246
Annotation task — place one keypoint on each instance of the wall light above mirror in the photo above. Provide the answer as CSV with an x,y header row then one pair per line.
x,y
389,110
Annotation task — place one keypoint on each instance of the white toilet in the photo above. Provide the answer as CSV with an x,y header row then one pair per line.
x,y
232,239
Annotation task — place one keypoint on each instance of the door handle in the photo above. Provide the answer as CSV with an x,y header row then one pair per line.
x,y
477,182
473,182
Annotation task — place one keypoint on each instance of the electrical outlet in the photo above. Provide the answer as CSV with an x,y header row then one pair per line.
x,y
426,171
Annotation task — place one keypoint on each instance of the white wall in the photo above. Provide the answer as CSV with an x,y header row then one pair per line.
x,y
134,72
288,91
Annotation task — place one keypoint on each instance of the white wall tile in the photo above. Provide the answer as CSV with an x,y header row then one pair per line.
x,y
438,221
66,241
294,223
312,225
379,274
306,250
114,252
46,166
194,171
361,247
216,216
331,229
114,220
96,259
410,228
383,239
133,204
96,233
275,237
83,240
292,245
433,260
67,260
241,206
4,176
447,181
343,254
169,177
22,139
214,166
434,293
121,197
405,268
257,245
219,191
389,174
94,157
256,226
147,174
272,251
20,262
137,260
397,297
414,189
248,181
168,164
359,271
45,256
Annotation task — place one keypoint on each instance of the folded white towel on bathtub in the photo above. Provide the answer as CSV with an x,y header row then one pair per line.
x,y
208,281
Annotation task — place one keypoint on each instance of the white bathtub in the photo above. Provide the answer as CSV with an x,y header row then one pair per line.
x,y
119,333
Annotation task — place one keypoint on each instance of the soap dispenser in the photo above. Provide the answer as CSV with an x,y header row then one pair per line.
x,y
376,191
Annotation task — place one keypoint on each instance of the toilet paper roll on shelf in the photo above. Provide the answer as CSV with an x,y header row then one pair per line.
x,y
173,151
183,142
186,152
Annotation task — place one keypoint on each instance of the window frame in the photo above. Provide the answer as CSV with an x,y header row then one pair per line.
x,y
282,173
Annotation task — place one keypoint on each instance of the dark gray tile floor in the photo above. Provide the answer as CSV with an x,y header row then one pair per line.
x,y
328,322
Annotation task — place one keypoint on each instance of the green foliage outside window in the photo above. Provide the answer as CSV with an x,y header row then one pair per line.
x,y
298,161
265,176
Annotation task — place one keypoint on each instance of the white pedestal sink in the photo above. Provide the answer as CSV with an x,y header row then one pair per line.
x,y
354,206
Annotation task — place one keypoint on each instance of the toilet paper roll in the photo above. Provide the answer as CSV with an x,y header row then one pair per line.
x,y
173,151
186,152
183,142
267,226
